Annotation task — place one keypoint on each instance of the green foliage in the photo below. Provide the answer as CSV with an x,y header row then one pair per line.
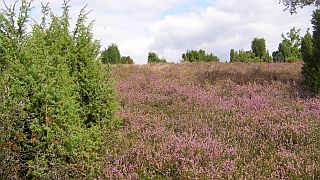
x,y
289,49
307,48
268,57
126,60
232,55
243,56
56,105
258,46
153,58
311,54
307,56
276,56
258,53
211,58
196,56
285,49
249,57
292,5
295,41
111,55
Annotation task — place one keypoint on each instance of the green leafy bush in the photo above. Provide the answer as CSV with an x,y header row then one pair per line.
x,y
111,55
196,56
126,60
248,57
289,49
258,53
258,47
241,56
56,105
153,58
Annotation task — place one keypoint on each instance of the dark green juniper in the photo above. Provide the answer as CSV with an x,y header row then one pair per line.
x,y
56,104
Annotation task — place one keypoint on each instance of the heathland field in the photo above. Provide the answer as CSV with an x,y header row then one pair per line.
x,y
215,120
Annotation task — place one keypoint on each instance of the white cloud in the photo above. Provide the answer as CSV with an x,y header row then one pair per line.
x,y
170,27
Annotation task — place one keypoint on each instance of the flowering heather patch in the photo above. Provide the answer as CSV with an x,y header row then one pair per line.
x,y
214,120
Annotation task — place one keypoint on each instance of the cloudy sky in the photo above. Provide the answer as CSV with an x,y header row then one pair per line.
x,y
170,27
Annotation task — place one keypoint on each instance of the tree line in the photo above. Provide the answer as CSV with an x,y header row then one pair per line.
x,y
196,56
112,55
292,48
258,53
289,50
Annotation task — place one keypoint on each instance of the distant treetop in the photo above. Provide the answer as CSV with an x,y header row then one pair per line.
x,y
111,55
195,56
258,53
154,58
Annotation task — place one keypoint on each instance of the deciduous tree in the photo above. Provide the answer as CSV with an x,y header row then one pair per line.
x,y
289,50
258,46
126,60
292,5
111,55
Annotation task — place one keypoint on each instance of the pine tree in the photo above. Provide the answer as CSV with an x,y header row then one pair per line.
x,y
307,48
311,55
232,55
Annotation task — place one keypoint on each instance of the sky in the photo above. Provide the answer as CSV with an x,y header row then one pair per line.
x,y
171,27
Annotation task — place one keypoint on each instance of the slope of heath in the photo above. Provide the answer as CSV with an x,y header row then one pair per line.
x,y
215,120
